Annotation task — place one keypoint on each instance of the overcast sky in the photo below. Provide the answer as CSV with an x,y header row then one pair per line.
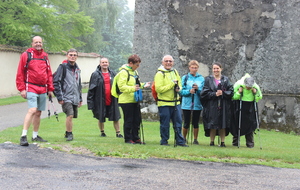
x,y
131,4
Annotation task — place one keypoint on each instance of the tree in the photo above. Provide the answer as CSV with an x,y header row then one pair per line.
x,y
59,23
118,42
104,12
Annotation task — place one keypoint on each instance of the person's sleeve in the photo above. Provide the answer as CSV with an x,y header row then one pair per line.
x,y
20,77
228,93
91,92
57,83
258,95
207,93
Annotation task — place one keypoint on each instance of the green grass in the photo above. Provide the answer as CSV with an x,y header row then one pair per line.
x,y
278,149
19,99
11,100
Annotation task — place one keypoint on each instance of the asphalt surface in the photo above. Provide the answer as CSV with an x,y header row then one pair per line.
x,y
33,167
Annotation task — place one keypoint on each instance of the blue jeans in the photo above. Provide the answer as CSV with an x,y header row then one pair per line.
x,y
167,113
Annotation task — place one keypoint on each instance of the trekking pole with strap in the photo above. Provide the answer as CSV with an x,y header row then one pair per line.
x,y
139,99
240,120
257,122
55,110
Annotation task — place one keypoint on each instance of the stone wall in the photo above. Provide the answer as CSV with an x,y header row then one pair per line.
x,y
10,60
259,37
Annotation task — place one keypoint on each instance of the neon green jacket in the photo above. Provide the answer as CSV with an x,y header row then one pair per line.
x,y
248,96
164,86
127,87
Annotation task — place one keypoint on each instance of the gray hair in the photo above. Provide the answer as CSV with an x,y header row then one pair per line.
x,y
167,56
72,50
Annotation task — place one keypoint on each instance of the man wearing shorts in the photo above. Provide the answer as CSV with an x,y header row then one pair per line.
x,y
34,81
67,83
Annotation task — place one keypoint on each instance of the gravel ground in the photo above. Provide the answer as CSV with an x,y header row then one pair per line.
x,y
43,168
33,167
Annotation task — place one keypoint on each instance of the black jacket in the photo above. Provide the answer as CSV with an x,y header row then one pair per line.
x,y
216,110
96,97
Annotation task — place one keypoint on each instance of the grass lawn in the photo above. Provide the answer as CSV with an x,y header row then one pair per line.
x,y
278,149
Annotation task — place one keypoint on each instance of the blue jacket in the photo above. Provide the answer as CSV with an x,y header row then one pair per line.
x,y
186,103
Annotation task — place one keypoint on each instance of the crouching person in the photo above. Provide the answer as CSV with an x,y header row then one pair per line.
x,y
244,116
67,84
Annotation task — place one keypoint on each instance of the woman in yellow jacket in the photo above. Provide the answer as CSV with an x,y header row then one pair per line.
x,y
128,83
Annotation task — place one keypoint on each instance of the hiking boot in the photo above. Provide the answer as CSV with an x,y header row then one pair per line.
x,y
23,141
183,145
38,138
195,142
70,137
139,142
119,135
130,142
222,144
103,135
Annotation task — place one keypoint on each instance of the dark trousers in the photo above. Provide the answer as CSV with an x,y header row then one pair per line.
x,y
249,140
132,120
187,118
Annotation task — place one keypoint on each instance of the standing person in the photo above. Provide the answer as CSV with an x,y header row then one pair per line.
x,y
34,81
248,91
128,83
192,84
67,83
216,99
167,85
100,100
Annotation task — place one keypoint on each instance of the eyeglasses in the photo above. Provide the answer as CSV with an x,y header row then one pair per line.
x,y
73,55
170,61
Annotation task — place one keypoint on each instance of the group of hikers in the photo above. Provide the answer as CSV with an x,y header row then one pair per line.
x,y
226,108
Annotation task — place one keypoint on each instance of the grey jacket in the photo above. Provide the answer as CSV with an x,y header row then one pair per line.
x,y
70,89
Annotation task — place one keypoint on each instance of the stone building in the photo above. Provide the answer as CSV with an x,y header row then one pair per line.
x,y
259,37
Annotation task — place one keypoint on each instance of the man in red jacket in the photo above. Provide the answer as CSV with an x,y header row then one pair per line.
x,y
34,81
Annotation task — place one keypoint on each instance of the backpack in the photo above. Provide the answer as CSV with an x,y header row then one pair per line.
x,y
64,66
29,58
115,91
153,91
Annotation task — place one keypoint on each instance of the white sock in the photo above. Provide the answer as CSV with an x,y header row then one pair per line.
x,y
34,134
24,132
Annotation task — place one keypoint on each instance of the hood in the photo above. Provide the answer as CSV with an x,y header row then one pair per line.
x,y
162,68
32,50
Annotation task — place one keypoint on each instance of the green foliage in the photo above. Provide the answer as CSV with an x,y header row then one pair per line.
x,y
278,149
104,13
58,22
118,43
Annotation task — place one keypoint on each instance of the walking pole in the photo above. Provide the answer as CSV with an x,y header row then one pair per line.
x,y
49,113
55,111
257,122
175,110
192,112
240,120
141,125
137,82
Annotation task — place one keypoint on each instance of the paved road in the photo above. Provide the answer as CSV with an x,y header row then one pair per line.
x,y
33,167
13,115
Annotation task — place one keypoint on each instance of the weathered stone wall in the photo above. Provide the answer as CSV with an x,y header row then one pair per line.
x,y
259,37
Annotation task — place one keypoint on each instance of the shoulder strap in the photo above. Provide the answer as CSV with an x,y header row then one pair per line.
x,y
185,79
28,58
